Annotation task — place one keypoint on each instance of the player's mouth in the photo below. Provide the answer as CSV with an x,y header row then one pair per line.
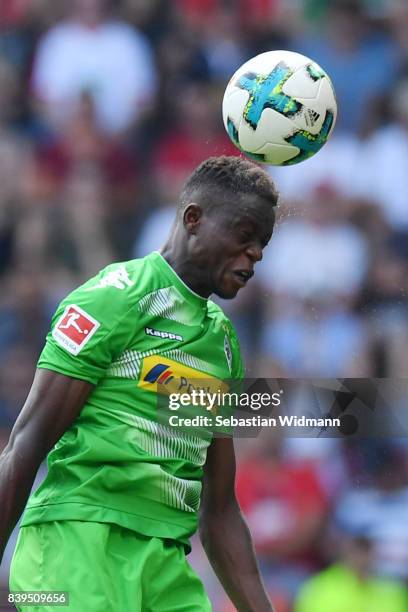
x,y
243,276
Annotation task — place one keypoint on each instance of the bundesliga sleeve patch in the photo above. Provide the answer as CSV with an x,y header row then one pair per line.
x,y
74,329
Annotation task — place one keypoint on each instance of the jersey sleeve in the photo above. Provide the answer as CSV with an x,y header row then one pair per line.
x,y
89,328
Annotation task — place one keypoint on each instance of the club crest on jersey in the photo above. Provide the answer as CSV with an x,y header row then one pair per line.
x,y
228,352
74,329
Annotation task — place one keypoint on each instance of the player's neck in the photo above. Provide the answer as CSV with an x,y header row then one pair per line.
x,y
182,265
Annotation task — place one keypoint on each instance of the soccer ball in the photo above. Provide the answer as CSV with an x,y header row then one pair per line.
x,y
279,108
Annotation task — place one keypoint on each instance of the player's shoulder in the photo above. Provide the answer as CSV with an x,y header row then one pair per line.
x,y
108,300
216,313
129,278
115,289
231,341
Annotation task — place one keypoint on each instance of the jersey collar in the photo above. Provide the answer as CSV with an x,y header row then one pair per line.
x,y
191,296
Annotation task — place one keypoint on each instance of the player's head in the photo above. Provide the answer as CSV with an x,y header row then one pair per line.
x,y
226,214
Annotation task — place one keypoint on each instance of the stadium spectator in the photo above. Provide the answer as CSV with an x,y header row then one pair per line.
x,y
285,505
223,46
378,510
390,187
337,169
15,379
348,44
195,134
334,253
84,157
313,291
348,584
92,52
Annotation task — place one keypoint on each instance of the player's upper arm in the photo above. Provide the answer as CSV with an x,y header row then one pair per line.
x,y
219,477
52,405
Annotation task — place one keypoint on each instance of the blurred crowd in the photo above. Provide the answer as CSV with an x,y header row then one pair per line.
x,y
106,106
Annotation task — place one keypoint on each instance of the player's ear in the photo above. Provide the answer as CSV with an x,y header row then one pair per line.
x,y
192,217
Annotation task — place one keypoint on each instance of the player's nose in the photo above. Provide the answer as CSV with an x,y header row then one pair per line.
x,y
254,252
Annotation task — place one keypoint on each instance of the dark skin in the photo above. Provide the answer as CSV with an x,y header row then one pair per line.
x,y
212,253
219,244
224,533
51,407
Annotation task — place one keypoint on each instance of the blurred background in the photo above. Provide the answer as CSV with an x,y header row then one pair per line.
x,y
105,109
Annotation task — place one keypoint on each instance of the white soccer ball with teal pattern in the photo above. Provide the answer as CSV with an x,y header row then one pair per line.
x,y
279,108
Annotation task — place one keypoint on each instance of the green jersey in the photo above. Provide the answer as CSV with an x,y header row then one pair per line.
x,y
133,326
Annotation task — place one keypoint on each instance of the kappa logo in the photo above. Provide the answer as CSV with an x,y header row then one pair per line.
x,y
163,334
74,329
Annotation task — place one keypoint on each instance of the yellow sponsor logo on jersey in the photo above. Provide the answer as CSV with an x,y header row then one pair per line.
x,y
165,376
